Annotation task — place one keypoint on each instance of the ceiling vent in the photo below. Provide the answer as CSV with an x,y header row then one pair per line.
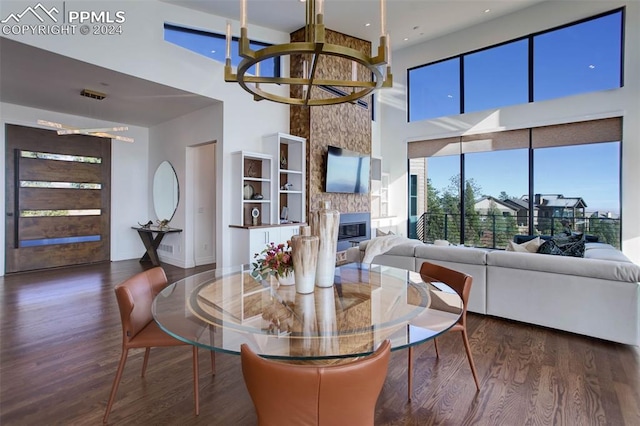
x,y
93,94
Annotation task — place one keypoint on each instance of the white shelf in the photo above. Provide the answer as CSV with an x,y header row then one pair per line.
x,y
256,170
292,150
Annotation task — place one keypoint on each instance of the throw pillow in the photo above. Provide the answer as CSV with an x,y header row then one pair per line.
x,y
530,246
441,243
550,247
573,249
381,233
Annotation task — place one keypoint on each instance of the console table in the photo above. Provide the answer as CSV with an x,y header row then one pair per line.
x,y
151,238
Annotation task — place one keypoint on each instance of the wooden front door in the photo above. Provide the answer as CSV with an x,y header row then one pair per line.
x,y
58,199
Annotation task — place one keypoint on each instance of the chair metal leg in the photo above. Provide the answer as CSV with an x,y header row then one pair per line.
x,y
409,372
196,386
213,363
435,343
116,383
467,348
146,361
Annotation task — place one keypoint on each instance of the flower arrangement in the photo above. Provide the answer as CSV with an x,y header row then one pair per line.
x,y
275,259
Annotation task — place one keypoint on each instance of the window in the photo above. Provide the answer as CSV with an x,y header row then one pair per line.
x,y
574,182
580,58
413,205
213,46
434,90
577,58
496,77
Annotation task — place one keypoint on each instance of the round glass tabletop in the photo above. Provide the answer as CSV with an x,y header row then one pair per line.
x,y
222,309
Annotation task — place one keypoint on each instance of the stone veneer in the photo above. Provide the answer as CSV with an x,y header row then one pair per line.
x,y
344,125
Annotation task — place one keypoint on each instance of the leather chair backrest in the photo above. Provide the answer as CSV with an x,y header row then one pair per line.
x,y
287,394
135,296
459,281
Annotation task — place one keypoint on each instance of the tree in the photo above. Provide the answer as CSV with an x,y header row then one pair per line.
x,y
504,196
434,226
473,227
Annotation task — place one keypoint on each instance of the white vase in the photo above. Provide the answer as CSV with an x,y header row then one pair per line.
x,y
327,223
287,279
304,252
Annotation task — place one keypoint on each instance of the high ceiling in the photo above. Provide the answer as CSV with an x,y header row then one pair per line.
x,y
414,20
56,86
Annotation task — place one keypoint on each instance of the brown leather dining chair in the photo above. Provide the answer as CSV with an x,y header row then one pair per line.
x,y
139,330
461,283
319,395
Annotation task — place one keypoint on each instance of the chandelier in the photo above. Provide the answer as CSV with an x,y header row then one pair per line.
x,y
312,50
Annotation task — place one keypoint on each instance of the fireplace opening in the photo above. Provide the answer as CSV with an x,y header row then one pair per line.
x,y
353,228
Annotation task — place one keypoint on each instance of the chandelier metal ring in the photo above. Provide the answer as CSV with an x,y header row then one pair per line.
x,y
317,50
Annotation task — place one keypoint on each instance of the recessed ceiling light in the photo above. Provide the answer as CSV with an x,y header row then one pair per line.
x,y
213,51
592,66
406,39
368,24
487,10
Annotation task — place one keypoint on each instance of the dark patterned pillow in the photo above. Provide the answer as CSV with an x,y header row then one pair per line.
x,y
550,247
573,249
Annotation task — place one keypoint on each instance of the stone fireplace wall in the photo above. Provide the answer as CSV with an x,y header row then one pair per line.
x,y
344,125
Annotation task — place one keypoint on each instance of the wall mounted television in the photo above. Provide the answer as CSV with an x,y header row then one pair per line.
x,y
347,171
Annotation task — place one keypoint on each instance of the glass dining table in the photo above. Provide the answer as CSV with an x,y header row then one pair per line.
x,y
221,309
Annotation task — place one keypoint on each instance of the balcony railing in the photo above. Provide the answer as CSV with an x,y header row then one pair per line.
x,y
495,231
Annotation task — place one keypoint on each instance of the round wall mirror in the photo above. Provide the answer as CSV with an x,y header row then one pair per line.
x,y
166,193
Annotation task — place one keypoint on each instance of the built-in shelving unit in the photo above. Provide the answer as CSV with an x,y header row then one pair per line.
x,y
290,178
253,188
279,176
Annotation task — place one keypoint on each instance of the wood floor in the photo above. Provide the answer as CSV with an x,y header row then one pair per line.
x,y
61,339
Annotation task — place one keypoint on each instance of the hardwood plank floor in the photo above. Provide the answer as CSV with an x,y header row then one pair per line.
x,y
60,343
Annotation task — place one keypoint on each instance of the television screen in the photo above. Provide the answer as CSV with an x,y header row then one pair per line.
x,y
347,171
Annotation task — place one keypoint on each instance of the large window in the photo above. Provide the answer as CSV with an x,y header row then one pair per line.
x,y
531,181
213,46
496,77
435,90
578,58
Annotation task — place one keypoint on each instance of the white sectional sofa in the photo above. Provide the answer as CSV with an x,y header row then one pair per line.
x,y
598,295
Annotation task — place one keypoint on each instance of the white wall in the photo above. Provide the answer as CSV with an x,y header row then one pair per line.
x,y
396,132
141,51
171,141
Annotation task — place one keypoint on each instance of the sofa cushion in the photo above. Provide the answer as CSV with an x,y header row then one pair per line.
x,y
459,254
596,268
604,252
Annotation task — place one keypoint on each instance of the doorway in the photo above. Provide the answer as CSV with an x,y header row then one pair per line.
x,y
201,181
